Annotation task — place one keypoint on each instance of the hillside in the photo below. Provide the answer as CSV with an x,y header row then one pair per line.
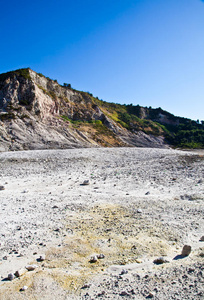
x,y
38,113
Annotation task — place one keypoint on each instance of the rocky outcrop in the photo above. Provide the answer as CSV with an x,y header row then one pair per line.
x,y
38,113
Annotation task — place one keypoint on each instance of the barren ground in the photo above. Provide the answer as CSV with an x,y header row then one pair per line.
x,y
140,204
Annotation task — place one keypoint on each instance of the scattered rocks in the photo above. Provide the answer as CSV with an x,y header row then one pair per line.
x,y
186,250
160,260
146,226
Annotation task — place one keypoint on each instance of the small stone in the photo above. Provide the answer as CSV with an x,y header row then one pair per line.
x,y
139,211
5,257
147,193
20,272
139,261
186,250
190,270
86,182
93,259
55,206
160,260
124,293
100,256
2,188
202,239
41,258
151,295
24,288
85,286
57,229
123,272
31,267
11,276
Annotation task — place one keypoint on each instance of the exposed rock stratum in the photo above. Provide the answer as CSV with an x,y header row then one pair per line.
x,y
38,113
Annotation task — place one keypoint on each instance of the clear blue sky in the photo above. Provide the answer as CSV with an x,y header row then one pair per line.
x,y
147,52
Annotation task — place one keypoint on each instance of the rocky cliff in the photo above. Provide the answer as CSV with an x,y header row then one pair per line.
x,y
38,113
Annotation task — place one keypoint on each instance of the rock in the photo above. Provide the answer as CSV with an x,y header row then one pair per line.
x,y
160,260
186,250
5,257
147,193
24,288
20,272
41,258
2,188
55,206
139,211
86,182
31,267
139,261
123,272
93,259
124,293
100,256
151,295
202,239
86,286
11,276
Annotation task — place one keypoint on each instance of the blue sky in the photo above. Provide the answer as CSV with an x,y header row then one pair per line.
x,y
143,52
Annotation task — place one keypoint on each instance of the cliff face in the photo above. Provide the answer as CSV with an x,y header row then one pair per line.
x,y
38,113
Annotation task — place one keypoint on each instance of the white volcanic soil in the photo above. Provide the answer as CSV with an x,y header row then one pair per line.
x,y
140,204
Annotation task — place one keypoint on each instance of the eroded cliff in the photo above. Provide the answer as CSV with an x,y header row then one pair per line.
x,y
38,113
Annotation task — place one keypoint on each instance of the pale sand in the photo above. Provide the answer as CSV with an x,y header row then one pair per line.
x,y
140,204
